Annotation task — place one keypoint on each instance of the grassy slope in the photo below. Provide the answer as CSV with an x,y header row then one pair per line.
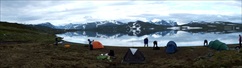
x,y
13,32
33,55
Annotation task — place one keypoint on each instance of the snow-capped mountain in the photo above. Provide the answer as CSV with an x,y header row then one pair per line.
x,y
213,23
101,24
109,23
69,26
156,23
164,22
199,22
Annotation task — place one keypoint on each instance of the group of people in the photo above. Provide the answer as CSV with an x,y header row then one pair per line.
x,y
146,43
205,42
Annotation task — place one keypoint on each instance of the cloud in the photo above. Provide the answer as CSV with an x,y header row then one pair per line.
x,y
63,12
122,3
183,18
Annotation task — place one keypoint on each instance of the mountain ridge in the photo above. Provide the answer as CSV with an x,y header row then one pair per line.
x,y
104,23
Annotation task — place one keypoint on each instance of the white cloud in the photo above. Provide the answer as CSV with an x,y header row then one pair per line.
x,y
62,12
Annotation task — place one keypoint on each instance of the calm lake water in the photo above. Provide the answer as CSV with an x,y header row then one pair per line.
x,y
182,38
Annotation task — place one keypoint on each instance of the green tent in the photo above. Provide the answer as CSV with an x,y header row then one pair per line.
x,y
217,45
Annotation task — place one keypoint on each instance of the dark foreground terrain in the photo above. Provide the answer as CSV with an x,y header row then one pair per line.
x,y
44,55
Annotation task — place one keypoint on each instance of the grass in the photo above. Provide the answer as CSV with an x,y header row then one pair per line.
x,y
39,55
13,32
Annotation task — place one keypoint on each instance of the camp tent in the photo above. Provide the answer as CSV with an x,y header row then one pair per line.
x,y
97,45
217,45
133,55
171,47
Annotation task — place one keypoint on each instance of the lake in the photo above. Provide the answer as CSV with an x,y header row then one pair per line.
x,y
182,38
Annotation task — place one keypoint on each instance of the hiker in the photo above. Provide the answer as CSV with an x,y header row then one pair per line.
x,y
155,44
111,53
205,42
240,39
56,41
90,44
146,42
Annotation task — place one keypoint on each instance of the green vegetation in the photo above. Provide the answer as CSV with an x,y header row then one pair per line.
x,y
13,32
32,55
226,59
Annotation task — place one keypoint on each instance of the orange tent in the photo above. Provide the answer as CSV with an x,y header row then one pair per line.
x,y
67,46
97,45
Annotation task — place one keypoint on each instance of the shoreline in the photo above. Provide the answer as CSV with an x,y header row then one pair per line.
x,y
66,42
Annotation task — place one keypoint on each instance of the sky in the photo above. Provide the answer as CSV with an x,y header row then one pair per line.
x,y
59,12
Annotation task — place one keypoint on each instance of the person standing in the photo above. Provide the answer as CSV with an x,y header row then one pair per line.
x,y
56,41
240,39
90,44
146,42
155,44
205,42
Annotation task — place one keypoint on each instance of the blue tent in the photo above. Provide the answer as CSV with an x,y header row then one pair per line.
x,y
171,47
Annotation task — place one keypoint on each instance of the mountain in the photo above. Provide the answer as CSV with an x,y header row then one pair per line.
x,y
219,26
214,23
47,24
69,26
114,24
165,23
90,25
106,23
97,24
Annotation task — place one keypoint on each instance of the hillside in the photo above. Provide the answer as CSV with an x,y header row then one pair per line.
x,y
13,32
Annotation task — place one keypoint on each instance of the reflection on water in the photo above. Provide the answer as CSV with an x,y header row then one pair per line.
x,y
182,38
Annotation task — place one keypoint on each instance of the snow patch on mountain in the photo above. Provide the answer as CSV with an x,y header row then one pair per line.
x,y
89,25
155,20
164,22
69,26
107,23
